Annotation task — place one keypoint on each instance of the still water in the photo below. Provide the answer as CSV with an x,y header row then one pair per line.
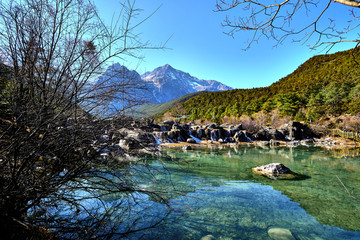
x,y
217,194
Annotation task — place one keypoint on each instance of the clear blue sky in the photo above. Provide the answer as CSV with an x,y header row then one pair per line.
x,y
199,46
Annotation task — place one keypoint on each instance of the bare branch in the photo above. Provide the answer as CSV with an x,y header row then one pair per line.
x,y
350,195
351,3
52,145
276,21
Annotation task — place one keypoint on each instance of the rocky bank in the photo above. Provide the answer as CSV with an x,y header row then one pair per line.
x,y
145,136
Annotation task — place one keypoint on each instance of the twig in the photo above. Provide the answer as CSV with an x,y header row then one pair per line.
x,y
347,189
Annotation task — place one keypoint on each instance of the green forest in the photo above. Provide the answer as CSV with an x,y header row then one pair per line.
x,y
322,86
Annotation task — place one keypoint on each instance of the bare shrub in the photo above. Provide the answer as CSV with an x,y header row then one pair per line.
x,y
249,124
262,118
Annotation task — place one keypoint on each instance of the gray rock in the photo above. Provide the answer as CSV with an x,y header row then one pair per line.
x,y
277,171
273,168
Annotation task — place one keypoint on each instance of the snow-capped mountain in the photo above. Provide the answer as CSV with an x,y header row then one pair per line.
x,y
119,90
169,83
159,86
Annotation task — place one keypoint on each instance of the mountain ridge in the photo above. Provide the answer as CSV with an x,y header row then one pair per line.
x,y
163,84
171,83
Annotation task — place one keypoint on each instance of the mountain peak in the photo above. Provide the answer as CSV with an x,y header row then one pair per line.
x,y
171,83
165,68
163,84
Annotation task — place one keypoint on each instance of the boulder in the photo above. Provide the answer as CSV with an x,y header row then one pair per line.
x,y
187,147
128,133
275,134
215,134
165,127
200,133
241,136
177,135
234,129
273,168
261,135
208,237
297,131
156,127
128,144
176,127
277,171
169,122
212,126
280,234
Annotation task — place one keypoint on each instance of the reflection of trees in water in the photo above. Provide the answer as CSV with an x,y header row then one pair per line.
x,y
109,204
345,152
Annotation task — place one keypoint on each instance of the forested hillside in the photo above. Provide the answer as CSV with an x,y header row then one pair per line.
x,y
157,110
325,84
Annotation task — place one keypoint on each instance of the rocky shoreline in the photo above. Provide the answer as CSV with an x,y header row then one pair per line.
x,y
147,137
171,132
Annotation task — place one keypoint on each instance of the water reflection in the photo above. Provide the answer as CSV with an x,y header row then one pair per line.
x,y
214,192
321,195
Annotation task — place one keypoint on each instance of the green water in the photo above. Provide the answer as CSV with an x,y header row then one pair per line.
x,y
223,198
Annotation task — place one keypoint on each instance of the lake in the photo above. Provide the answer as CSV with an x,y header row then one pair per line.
x,y
217,194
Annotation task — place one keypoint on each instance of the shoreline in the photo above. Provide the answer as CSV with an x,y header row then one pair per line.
x,y
328,142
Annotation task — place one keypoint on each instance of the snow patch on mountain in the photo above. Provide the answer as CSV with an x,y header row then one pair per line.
x,y
172,83
161,85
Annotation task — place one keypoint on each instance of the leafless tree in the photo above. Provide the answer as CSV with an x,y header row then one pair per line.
x,y
303,21
50,143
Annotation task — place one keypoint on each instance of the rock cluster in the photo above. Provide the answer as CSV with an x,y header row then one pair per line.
x,y
170,132
123,136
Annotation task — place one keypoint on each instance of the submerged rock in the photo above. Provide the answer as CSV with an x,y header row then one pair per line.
x,y
280,234
208,237
276,171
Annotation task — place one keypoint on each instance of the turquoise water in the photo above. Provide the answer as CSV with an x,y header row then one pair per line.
x,y
219,195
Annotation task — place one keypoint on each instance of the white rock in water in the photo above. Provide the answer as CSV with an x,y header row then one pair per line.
x,y
274,168
280,234
208,237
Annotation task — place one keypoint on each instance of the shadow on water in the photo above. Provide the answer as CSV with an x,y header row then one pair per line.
x,y
291,176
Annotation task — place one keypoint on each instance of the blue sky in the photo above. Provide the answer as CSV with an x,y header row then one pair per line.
x,y
199,46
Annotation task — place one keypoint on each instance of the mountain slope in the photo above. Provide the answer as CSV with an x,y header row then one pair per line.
x,y
325,84
124,89
170,84
127,89
156,110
